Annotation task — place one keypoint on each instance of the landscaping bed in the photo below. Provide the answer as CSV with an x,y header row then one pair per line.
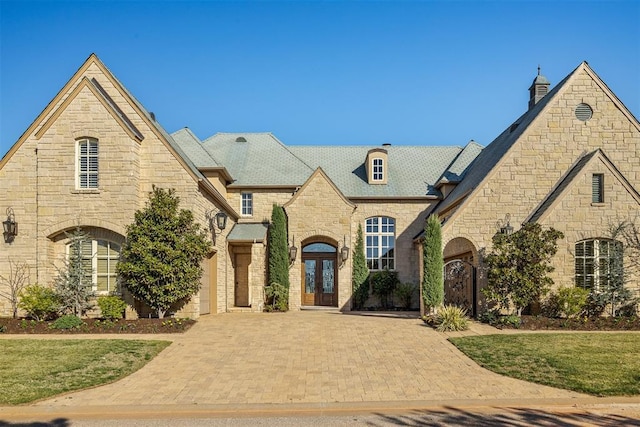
x,y
98,326
538,323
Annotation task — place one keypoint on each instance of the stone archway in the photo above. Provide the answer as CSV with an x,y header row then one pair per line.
x,y
460,275
319,272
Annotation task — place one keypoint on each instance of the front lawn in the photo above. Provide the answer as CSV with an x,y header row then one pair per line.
x,y
601,364
37,369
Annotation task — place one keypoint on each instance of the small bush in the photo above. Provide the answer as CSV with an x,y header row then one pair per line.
x,y
452,318
279,297
383,283
570,301
111,306
68,321
40,302
404,293
490,317
510,320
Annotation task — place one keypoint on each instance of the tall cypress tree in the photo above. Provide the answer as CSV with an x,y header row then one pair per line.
x,y
278,248
433,277
73,283
360,273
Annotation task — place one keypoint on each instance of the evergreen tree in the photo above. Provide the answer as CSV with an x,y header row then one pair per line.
x,y
360,273
160,262
278,248
433,262
518,266
73,284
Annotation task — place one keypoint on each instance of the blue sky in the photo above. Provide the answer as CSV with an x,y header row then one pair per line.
x,y
410,73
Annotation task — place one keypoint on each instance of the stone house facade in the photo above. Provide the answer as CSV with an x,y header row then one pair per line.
x,y
92,156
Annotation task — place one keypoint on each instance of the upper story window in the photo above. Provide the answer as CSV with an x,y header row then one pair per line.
x,y
87,165
597,188
247,204
100,258
598,263
378,169
380,243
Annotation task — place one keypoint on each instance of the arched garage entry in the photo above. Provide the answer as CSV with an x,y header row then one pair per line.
x,y
460,275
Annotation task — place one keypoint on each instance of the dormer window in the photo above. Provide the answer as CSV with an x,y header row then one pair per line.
x,y
377,166
378,169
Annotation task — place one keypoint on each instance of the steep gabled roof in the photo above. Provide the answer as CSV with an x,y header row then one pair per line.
x,y
495,151
192,147
556,193
491,156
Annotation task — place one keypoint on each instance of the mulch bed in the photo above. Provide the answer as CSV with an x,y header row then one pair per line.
x,y
535,323
98,326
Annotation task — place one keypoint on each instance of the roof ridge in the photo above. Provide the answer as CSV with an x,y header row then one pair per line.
x,y
289,151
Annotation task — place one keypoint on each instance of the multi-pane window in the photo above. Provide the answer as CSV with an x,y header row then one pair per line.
x,y
378,173
597,188
380,243
598,263
99,258
247,204
87,167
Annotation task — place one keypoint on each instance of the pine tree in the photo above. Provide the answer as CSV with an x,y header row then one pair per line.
x,y
160,262
74,285
360,273
433,277
278,251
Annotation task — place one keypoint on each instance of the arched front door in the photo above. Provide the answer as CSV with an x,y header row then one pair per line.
x,y
319,284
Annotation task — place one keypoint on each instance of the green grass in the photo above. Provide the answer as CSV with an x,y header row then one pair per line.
x,y
36,369
594,363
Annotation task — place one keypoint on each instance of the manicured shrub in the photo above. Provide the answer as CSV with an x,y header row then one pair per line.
x,y
404,294
360,273
278,259
570,301
433,265
451,318
278,297
160,262
111,306
40,302
383,283
68,321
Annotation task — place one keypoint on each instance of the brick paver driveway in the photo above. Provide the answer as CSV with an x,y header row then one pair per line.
x,y
308,357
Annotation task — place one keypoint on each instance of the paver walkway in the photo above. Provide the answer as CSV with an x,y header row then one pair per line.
x,y
308,357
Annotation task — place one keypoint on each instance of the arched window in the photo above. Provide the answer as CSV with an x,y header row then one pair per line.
x,y
598,263
100,258
380,242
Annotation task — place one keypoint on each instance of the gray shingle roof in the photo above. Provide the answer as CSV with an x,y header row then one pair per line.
x,y
411,170
261,160
192,147
248,233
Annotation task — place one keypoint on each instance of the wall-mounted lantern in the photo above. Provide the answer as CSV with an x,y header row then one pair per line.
x,y
293,252
219,220
344,252
10,226
505,226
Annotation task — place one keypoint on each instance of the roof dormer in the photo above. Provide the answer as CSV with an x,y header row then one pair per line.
x,y
377,165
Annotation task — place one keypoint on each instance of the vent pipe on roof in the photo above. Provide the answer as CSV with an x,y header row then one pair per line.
x,y
386,144
153,116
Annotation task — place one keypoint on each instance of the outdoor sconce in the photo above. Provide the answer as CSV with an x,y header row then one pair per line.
x,y
10,226
344,252
505,225
293,252
218,220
